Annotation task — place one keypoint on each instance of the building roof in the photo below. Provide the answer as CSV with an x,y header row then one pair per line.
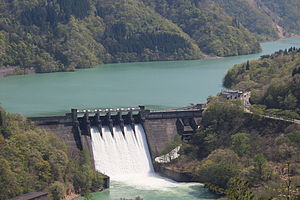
x,y
231,91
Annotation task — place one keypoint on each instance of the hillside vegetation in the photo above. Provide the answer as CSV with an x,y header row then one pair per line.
x,y
32,160
242,156
214,31
251,16
49,36
274,81
63,35
268,19
287,12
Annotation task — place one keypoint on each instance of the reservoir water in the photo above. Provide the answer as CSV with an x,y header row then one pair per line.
x,y
158,85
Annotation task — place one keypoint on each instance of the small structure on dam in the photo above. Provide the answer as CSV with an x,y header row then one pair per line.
x,y
160,126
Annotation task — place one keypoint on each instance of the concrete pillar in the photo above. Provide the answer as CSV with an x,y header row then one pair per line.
x,y
131,120
120,121
110,122
142,116
87,123
74,115
98,122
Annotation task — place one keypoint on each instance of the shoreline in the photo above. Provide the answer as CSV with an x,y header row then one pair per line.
x,y
208,57
284,37
15,71
7,71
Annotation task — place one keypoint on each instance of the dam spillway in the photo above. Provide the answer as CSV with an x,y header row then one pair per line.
x,y
159,126
123,142
121,155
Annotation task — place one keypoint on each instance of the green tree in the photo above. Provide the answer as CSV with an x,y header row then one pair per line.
x,y
57,190
290,102
239,189
9,186
58,161
240,143
295,137
219,167
217,174
36,160
261,169
86,179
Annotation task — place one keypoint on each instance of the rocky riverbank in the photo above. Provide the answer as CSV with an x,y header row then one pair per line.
x,y
12,71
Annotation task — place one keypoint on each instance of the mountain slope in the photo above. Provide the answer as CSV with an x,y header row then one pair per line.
x,y
254,19
215,32
136,33
288,12
268,19
61,35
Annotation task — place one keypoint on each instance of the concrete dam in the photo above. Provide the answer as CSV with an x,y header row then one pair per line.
x,y
122,142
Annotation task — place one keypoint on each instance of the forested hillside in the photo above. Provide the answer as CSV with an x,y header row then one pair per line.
x,y
274,81
214,31
253,18
57,35
61,35
288,12
268,19
32,160
241,155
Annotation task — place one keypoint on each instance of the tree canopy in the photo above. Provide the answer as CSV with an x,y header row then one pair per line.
x,y
32,160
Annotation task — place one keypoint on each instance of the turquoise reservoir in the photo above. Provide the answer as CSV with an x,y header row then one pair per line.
x,y
158,85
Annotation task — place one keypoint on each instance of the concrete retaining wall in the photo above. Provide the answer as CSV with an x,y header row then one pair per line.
x,y
162,127
159,132
63,127
174,175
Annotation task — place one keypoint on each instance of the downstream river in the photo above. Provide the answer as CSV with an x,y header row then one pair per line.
x,y
158,85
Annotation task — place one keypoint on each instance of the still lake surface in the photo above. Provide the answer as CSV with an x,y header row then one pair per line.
x,y
158,85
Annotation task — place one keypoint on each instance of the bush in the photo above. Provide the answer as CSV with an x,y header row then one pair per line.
x,y
240,143
217,174
87,180
219,167
262,170
295,137
57,190
36,160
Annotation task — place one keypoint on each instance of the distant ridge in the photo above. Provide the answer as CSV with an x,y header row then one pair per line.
x,y
62,35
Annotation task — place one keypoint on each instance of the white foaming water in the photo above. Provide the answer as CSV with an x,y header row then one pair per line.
x,y
126,158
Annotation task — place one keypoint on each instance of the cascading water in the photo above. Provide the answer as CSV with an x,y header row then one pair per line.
x,y
126,159
119,155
